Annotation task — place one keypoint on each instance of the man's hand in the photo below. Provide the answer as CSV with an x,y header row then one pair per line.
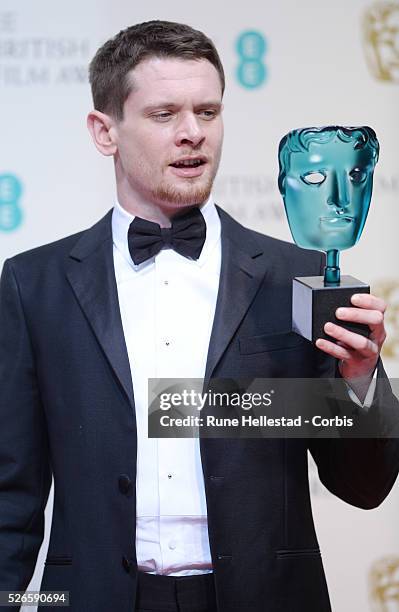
x,y
358,355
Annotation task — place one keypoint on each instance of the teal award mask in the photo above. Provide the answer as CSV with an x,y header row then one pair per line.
x,y
326,180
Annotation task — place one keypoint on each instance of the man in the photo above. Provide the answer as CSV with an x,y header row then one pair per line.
x,y
147,524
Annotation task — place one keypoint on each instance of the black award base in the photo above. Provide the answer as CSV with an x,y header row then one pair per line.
x,y
313,305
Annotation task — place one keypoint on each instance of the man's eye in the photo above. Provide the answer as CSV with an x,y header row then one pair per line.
x,y
357,175
207,114
164,116
313,178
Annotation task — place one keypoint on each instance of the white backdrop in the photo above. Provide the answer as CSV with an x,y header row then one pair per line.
x,y
307,63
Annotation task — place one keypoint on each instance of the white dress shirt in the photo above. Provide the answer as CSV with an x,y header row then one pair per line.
x,y
167,307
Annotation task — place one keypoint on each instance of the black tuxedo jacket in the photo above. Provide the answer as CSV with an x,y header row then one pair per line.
x,y
67,409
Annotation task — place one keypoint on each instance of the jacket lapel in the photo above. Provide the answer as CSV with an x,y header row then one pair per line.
x,y
90,271
242,272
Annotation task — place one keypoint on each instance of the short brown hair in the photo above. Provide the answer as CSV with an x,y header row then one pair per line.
x,y
110,67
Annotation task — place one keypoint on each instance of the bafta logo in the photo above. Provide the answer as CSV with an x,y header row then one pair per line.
x,y
381,40
384,585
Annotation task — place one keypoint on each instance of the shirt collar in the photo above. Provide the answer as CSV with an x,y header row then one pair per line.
x,y
121,220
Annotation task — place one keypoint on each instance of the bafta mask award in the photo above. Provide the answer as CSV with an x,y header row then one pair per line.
x,y
326,181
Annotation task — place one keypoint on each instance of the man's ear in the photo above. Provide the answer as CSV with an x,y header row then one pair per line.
x,y
101,129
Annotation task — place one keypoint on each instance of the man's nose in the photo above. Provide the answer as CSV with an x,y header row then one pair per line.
x,y
189,131
339,196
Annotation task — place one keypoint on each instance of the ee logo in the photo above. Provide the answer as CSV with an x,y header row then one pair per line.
x,y
251,47
10,210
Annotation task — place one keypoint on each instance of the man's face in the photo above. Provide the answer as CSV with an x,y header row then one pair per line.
x,y
327,194
170,139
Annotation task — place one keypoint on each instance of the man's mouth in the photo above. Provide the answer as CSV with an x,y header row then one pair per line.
x,y
189,167
189,162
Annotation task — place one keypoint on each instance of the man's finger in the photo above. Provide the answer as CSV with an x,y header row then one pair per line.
x,y
335,350
365,346
368,301
373,318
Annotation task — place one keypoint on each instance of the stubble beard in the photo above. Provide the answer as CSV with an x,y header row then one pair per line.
x,y
171,196
191,194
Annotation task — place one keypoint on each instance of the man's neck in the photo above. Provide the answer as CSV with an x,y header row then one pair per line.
x,y
158,213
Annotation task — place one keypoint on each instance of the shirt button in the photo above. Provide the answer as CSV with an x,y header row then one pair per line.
x,y
172,545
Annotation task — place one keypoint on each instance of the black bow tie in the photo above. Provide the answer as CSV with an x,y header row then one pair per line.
x,y
186,236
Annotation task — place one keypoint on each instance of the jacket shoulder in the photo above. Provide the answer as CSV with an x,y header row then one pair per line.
x,y
269,245
58,250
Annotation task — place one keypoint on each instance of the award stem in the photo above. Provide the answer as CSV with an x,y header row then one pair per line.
x,y
332,273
